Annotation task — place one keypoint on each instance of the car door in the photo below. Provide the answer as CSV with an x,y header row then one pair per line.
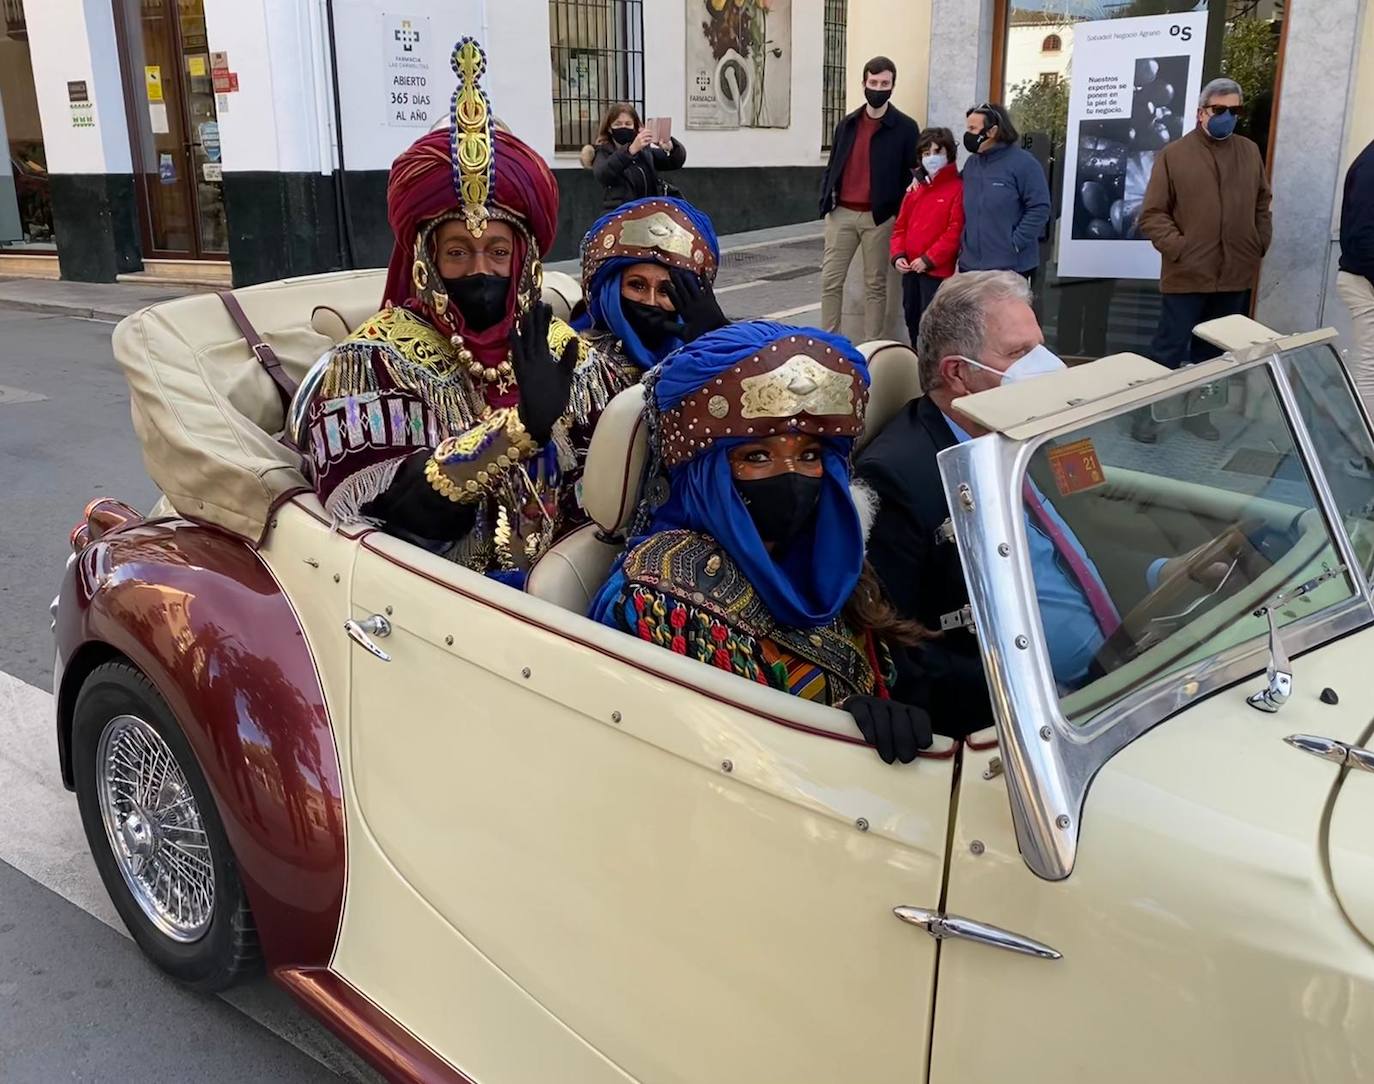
x,y
1148,823
581,857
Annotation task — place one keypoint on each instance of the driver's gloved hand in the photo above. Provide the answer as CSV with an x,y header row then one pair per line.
x,y
898,731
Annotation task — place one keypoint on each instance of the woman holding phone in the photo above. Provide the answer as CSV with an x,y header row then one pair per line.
x,y
628,157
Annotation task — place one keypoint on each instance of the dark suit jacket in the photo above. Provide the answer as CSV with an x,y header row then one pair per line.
x,y
920,571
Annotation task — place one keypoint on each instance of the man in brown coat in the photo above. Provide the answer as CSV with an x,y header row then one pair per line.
x,y
1206,209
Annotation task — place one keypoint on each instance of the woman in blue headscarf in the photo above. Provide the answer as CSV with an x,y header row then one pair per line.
x,y
647,271
755,563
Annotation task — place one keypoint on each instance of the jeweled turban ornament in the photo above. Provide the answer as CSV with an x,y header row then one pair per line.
x,y
474,162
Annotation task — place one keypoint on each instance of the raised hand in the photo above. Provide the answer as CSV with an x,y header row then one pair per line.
x,y
695,302
898,731
545,382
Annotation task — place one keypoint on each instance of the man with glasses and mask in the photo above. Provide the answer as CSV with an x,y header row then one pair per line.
x,y
1206,210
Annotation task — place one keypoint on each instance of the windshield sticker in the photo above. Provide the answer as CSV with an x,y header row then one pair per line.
x,y
1076,467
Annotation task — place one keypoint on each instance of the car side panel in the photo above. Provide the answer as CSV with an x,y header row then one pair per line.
x,y
680,888
202,617
1201,940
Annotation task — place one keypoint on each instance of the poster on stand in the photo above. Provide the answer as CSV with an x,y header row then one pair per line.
x,y
1133,90
739,64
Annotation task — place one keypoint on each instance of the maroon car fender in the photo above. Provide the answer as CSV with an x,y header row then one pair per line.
x,y
198,612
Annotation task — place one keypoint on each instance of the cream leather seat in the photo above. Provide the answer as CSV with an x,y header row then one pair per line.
x,y
896,380
573,570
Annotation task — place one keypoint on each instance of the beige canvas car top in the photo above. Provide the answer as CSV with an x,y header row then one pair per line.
x,y
206,412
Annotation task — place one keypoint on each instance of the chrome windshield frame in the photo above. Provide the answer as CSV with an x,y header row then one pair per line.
x,y
1050,762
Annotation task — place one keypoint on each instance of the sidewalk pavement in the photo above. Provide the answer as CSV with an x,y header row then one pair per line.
x,y
112,301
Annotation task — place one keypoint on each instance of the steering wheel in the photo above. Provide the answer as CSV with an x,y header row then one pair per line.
x,y
1211,573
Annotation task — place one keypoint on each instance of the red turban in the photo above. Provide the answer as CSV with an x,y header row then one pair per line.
x,y
422,187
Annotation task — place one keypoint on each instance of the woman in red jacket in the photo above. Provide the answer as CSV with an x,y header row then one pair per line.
x,y
925,240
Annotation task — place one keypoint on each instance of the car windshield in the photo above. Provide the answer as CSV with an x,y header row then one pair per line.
x,y
1150,559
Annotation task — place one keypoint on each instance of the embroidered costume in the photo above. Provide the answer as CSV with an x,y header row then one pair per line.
x,y
699,579
661,230
416,423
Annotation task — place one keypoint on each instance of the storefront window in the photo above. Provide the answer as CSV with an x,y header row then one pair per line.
x,y
25,202
1095,105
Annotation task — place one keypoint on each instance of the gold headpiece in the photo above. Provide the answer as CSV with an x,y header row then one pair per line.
x,y
651,231
474,161
795,384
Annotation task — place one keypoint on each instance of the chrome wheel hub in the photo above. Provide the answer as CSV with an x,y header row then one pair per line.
x,y
155,829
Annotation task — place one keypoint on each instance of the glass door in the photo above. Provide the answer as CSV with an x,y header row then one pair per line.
x,y
1148,101
174,128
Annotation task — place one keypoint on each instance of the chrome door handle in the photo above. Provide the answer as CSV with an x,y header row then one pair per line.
x,y
361,633
941,926
1338,752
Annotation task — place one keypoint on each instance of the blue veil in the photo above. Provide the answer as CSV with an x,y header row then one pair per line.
x,y
805,585
603,292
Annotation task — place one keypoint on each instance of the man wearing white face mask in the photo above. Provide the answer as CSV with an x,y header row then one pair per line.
x,y
979,332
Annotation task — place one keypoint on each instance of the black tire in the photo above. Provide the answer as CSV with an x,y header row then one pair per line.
x,y
227,951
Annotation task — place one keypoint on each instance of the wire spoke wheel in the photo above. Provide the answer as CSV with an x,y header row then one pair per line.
x,y
155,829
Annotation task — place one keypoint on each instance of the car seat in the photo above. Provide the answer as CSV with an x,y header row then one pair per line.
x,y
896,380
572,570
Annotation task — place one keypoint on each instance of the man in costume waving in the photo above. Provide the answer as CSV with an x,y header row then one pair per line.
x,y
454,417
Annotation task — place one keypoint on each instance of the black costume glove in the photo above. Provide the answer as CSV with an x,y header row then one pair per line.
x,y
696,303
413,508
545,382
898,731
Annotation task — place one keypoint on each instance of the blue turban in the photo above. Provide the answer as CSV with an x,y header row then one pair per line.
x,y
805,585
603,292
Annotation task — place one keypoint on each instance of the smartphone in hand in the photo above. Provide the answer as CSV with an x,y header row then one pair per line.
x,y
662,128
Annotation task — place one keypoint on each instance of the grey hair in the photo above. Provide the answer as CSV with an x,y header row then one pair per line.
x,y
1218,88
953,322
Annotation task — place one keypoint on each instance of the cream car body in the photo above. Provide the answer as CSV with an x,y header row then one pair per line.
x,y
575,856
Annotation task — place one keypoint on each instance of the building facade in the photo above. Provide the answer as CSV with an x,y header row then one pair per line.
x,y
250,139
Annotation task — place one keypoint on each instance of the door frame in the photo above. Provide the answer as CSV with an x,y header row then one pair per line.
x,y
136,114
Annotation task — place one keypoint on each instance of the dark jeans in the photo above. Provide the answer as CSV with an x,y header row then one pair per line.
x,y
918,290
1174,343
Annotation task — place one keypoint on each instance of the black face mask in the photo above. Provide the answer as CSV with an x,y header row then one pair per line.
x,y
974,140
480,298
877,98
782,505
623,136
653,325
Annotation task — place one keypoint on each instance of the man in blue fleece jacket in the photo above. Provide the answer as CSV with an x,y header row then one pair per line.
x,y
1006,197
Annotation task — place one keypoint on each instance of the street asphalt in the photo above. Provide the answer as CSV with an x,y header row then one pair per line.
x,y
77,1001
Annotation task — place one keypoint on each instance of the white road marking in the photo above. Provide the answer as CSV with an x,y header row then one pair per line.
x,y
41,836
787,314
19,395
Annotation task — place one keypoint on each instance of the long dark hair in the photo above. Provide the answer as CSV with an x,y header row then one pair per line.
x,y
868,610
994,114
603,134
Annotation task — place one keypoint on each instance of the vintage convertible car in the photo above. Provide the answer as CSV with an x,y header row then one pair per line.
x,y
486,839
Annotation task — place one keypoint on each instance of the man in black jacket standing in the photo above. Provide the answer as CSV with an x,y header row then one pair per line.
x,y
871,161
1355,280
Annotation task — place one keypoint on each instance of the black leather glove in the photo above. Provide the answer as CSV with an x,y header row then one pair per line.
x,y
413,508
545,381
898,731
696,304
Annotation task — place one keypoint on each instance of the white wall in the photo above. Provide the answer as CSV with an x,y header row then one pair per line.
x,y
1025,60
665,90
72,40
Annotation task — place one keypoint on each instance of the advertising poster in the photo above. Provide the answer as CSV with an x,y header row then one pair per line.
x,y
1133,90
739,64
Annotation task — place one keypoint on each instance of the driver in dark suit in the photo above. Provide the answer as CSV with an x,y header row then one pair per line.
x,y
979,331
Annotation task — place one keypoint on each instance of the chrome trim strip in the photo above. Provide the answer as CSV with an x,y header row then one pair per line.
x,y
1050,762
941,926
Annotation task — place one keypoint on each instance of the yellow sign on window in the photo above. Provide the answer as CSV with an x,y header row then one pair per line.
x,y
152,78
197,66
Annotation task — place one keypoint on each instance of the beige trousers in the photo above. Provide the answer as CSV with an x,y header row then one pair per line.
x,y
1358,296
846,232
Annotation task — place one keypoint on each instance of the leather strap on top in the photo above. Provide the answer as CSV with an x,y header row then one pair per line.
x,y
267,357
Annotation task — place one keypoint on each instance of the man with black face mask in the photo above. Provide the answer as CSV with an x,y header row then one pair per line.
x,y
871,161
